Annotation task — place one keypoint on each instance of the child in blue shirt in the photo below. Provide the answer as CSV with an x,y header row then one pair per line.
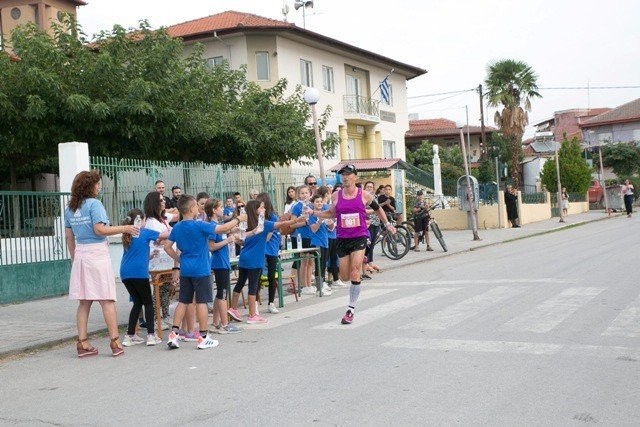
x,y
192,239
134,273
252,259
221,268
272,251
320,238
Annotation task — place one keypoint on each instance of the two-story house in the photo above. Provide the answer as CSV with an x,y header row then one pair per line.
x,y
346,76
621,124
40,12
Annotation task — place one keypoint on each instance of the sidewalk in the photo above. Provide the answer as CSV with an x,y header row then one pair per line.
x,y
40,323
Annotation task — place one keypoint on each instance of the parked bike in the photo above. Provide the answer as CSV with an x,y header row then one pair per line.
x,y
434,228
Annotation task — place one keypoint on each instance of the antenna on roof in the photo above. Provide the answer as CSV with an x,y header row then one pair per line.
x,y
285,10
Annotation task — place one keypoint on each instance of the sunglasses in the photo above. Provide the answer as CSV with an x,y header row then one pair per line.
x,y
312,183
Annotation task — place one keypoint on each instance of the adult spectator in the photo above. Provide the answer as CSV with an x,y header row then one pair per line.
x,y
387,202
237,198
92,276
511,202
161,188
627,193
253,194
176,192
311,182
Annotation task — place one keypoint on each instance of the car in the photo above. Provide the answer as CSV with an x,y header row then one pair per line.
x,y
596,192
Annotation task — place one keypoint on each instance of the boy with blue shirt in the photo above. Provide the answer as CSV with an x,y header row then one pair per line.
x,y
191,238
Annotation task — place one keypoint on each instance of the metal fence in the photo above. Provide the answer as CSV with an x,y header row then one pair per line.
x,y
126,182
533,198
31,227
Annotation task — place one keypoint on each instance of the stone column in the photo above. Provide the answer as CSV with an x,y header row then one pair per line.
x,y
344,142
437,175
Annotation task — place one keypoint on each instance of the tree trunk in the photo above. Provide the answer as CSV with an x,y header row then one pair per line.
x,y
515,161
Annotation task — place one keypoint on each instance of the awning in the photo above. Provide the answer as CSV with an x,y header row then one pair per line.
x,y
363,165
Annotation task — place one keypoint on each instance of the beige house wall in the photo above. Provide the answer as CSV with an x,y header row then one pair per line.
x,y
455,219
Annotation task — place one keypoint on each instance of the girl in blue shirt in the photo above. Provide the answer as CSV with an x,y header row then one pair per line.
x,y
220,266
272,251
134,273
320,237
252,259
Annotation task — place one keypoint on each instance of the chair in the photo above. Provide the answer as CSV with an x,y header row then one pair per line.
x,y
158,278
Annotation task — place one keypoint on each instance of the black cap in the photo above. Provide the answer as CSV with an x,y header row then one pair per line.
x,y
348,168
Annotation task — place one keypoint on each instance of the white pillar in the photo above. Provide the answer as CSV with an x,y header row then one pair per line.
x,y
437,175
73,157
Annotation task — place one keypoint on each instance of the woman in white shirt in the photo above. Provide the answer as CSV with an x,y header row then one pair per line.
x,y
627,192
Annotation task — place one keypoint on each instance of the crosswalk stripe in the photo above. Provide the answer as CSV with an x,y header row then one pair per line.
x,y
372,314
286,317
553,311
466,309
533,348
511,281
627,323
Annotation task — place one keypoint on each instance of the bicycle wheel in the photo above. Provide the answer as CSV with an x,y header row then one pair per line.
x,y
438,234
396,245
409,226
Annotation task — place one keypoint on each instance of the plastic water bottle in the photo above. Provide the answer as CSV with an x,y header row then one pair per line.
x,y
137,223
260,226
288,243
232,249
299,241
243,225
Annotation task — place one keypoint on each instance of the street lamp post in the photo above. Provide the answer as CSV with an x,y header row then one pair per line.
x,y
311,97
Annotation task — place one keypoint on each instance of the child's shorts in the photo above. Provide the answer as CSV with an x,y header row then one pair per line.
x,y
201,286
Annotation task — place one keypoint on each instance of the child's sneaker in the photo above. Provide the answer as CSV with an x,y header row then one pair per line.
x,y
256,319
235,314
188,336
340,284
308,290
153,339
273,309
130,340
326,290
207,342
229,328
172,340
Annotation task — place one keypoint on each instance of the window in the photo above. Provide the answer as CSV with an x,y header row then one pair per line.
x,y
351,148
262,66
390,103
214,62
388,149
327,78
306,73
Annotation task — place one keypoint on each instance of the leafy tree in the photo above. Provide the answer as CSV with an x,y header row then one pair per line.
x,y
451,161
132,93
510,85
574,171
623,158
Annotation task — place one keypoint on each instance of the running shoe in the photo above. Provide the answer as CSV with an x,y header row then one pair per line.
x,y
172,340
229,329
235,314
326,290
347,318
308,290
339,284
130,340
206,342
188,336
256,319
273,309
153,339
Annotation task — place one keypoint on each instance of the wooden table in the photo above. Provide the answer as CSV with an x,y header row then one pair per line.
x,y
158,278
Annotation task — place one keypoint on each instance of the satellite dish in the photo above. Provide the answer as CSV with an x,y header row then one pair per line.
x,y
302,3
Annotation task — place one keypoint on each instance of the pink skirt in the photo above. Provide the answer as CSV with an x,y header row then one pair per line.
x,y
92,276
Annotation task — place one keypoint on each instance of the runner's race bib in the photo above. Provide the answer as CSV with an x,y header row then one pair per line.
x,y
350,220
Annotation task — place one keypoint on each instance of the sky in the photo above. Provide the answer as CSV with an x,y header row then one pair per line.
x,y
586,53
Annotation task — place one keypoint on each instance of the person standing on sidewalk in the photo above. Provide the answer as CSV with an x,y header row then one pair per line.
x,y
92,276
349,207
627,192
511,202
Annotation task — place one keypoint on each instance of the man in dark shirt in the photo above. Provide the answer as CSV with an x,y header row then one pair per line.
x,y
387,202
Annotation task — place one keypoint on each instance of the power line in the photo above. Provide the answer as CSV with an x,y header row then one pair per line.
x,y
441,93
438,100
587,87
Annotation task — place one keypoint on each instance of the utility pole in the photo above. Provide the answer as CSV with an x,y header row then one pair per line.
x,y
473,211
483,139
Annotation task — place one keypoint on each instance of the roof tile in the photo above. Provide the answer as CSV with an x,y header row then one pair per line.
x,y
625,113
224,21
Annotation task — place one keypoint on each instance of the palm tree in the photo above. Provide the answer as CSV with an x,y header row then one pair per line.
x,y
509,83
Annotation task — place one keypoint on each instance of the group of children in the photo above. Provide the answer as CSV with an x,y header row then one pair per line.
x,y
199,245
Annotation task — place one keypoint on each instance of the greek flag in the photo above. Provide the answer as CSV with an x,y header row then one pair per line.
x,y
384,90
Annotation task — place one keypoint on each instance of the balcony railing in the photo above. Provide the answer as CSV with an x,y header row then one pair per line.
x,y
361,109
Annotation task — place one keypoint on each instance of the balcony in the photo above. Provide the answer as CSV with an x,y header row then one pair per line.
x,y
361,110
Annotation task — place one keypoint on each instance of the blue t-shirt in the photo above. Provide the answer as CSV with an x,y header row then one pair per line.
x,y
226,211
253,251
273,245
91,212
192,238
304,231
320,238
135,260
296,210
331,234
220,257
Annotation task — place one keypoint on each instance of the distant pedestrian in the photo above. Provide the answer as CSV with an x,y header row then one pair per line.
x,y
92,276
627,192
565,201
511,202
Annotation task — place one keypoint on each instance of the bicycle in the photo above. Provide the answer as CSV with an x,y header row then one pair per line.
x,y
434,228
394,246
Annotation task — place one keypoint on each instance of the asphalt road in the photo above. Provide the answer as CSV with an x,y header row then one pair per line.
x,y
539,331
